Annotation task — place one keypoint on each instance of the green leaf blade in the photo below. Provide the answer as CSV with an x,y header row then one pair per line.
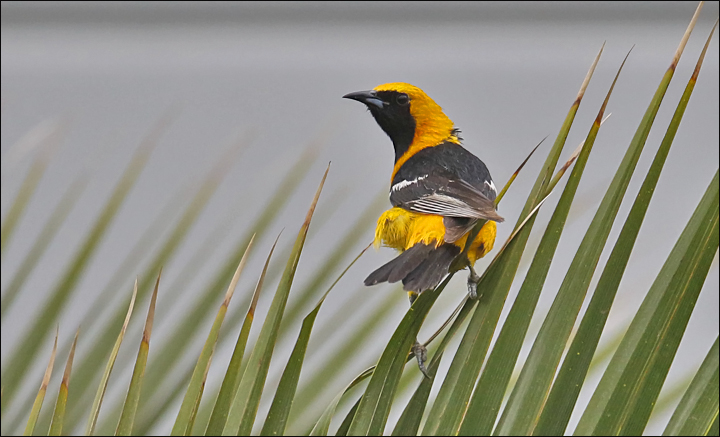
x,y
276,420
188,409
657,326
232,375
100,394
127,417
698,408
374,408
323,424
566,387
485,403
247,400
58,418
49,230
14,373
171,351
448,410
277,417
409,422
37,405
47,132
525,405
89,366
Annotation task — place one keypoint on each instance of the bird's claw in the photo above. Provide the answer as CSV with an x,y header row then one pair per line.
x,y
420,353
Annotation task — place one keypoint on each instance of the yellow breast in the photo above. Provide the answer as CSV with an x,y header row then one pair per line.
x,y
402,229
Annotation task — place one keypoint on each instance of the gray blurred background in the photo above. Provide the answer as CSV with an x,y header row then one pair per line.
x,y
505,73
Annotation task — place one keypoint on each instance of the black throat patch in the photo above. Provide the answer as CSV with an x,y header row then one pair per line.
x,y
395,119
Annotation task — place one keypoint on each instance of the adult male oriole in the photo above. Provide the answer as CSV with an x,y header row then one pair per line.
x,y
438,191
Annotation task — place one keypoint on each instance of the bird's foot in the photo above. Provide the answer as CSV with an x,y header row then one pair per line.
x,y
420,353
472,283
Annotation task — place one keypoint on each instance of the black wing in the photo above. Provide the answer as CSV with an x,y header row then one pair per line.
x,y
446,180
440,194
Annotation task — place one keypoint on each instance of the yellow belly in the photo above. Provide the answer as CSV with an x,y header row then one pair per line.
x,y
402,229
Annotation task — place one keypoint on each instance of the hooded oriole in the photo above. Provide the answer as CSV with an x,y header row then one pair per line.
x,y
438,191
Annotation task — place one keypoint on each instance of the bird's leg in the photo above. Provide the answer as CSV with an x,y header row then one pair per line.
x,y
420,353
418,349
472,282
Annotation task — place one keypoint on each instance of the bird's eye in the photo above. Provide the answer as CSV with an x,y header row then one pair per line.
x,y
402,99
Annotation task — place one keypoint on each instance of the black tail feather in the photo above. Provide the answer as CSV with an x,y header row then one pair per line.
x,y
416,256
432,270
420,268
400,266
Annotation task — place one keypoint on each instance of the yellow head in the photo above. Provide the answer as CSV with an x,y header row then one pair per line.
x,y
430,120
412,120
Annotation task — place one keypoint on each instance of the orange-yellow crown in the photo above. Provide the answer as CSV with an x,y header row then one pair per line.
x,y
424,109
432,126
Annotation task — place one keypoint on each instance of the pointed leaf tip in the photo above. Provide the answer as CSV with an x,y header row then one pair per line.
x,y
56,425
147,331
311,211
588,76
37,405
236,276
102,387
510,181
685,37
696,72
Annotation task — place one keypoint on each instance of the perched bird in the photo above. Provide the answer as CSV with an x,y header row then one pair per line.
x,y
438,191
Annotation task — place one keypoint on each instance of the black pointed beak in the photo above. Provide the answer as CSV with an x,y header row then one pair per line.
x,y
366,97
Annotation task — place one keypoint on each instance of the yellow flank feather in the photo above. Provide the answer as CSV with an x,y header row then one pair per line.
x,y
402,229
432,126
